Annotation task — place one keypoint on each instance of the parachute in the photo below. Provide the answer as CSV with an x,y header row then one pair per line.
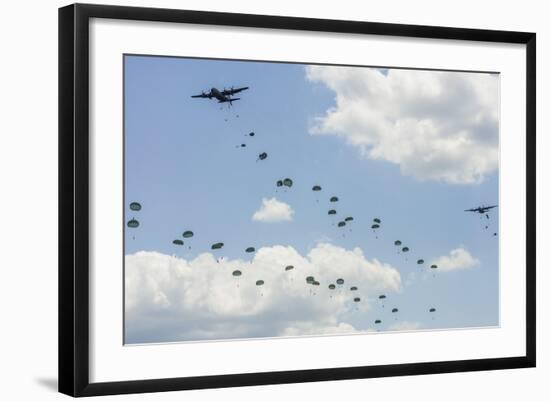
x,y
279,183
315,282
237,273
262,156
334,199
433,267
394,310
377,221
382,296
375,226
420,261
243,145
177,242
397,243
250,249
332,211
353,288
287,182
187,234
133,223
348,219
405,249
341,224
357,299
340,281
331,286
289,267
316,188
377,321
432,310
259,282
217,245
251,134
135,206
310,279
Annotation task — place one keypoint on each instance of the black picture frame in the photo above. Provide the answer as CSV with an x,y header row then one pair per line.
x,y
74,198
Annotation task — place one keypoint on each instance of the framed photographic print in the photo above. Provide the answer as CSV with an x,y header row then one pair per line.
x,y
249,199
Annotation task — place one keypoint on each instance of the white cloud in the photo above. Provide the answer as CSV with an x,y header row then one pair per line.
x,y
457,259
405,326
273,210
173,299
435,125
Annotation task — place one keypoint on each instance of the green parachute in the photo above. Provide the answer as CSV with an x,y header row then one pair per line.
x,y
287,182
420,261
133,223
332,211
250,249
187,234
340,281
217,245
237,273
316,188
135,206
353,288
289,267
177,242
341,224
397,243
334,199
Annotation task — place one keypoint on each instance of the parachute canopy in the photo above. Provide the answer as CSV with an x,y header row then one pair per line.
x,y
217,245
177,242
420,261
348,219
250,249
341,224
394,310
382,296
280,183
377,220
405,249
289,267
310,279
331,286
340,281
237,273
315,282
375,226
133,223
287,182
377,321
251,134
353,288
334,199
260,282
262,156
187,234
332,211
135,206
433,266
397,243
316,188
357,299
432,309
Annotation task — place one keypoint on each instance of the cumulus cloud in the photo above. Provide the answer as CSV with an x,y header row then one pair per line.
x,y
173,299
457,259
272,211
435,125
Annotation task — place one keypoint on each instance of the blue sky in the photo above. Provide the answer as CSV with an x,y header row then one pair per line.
x,y
184,164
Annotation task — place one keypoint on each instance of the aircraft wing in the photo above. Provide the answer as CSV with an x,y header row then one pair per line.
x,y
202,95
471,210
490,207
232,91
229,100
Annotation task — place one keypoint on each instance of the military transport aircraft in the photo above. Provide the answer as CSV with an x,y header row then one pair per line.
x,y
481,210
223,96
